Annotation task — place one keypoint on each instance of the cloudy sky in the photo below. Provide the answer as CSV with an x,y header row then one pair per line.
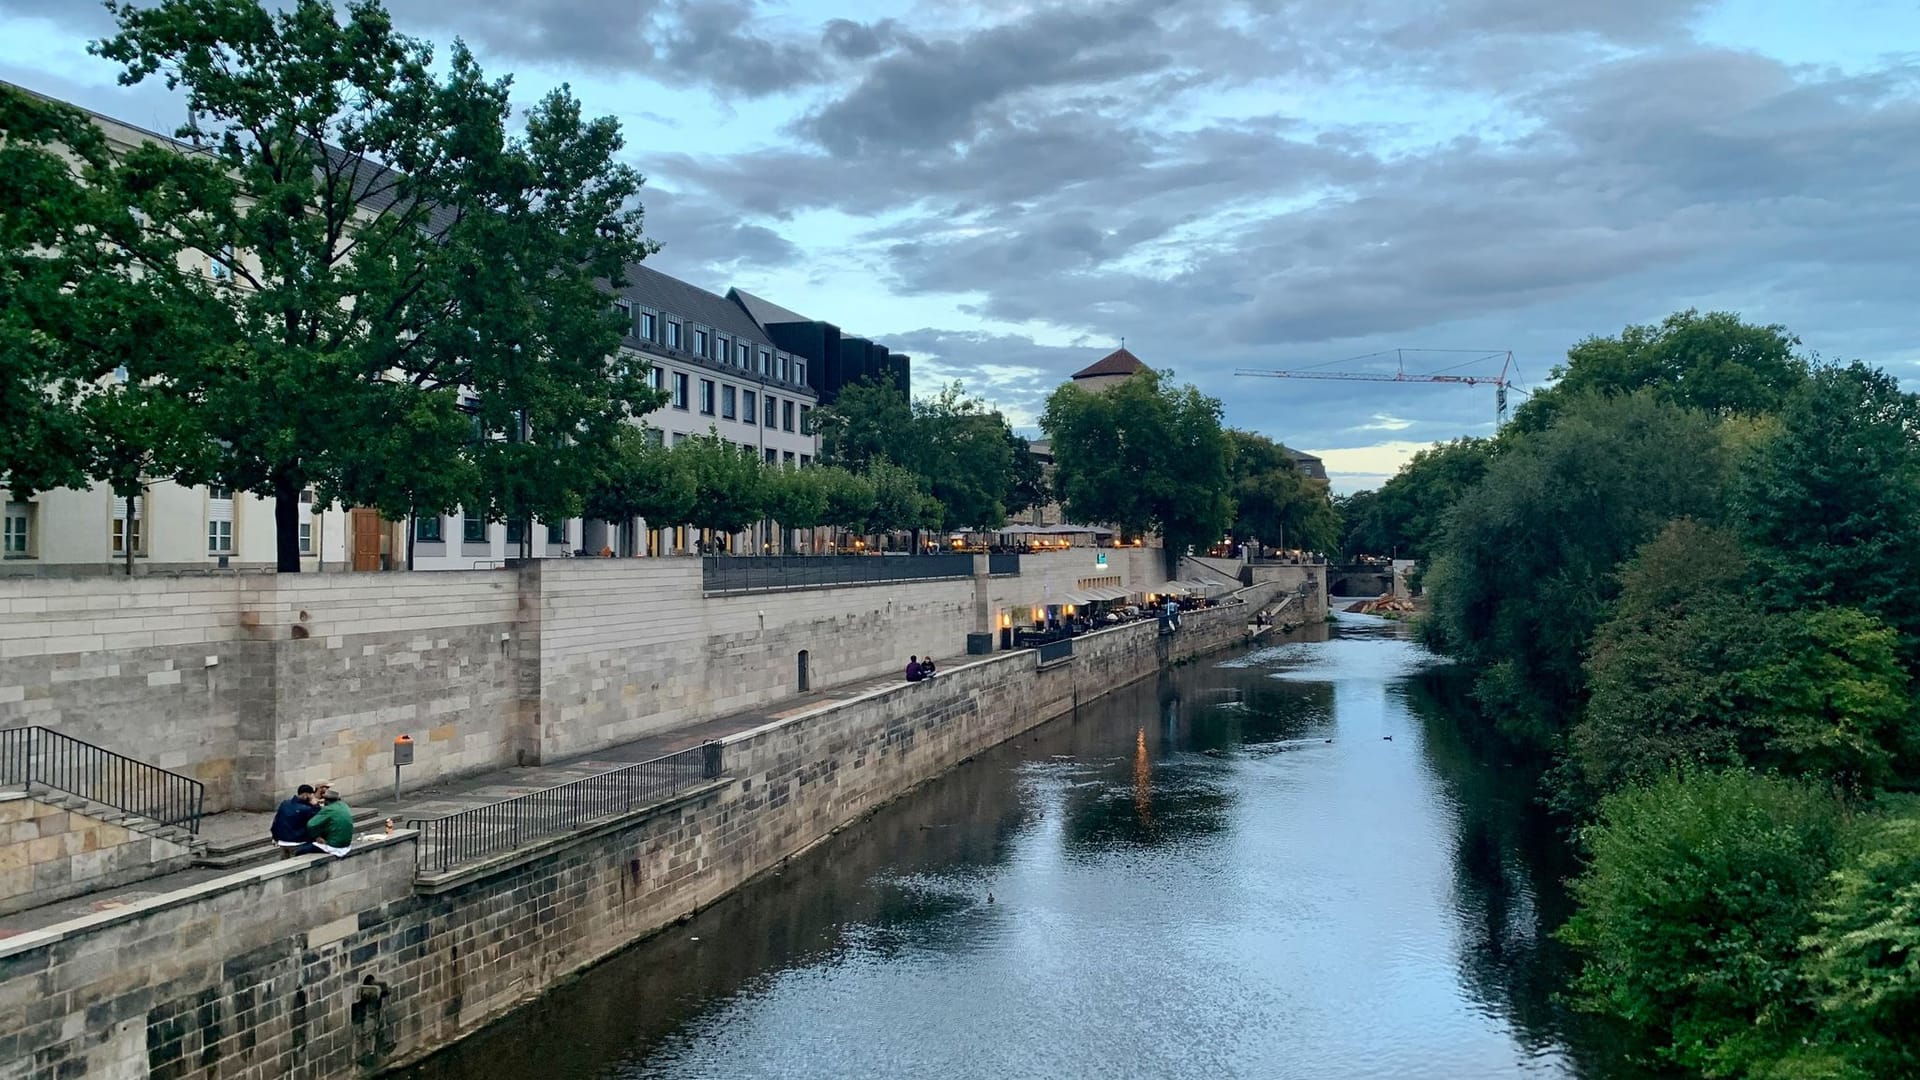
x,y
1007,189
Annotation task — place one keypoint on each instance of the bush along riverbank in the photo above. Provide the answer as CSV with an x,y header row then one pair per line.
x,y
1688,575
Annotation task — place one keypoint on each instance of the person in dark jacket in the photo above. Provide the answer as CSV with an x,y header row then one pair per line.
x,y
914,674
332,828
290,820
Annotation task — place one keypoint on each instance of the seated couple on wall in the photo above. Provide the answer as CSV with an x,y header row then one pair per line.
x,y
918,669
314,820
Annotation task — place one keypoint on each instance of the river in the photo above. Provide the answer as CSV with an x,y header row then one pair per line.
x,y
1288,862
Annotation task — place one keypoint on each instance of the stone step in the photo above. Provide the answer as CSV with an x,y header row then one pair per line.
x,y
133,822
245,851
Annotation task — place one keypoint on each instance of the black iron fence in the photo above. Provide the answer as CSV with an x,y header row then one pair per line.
x,y
483,832
36,757
766,573
1055,651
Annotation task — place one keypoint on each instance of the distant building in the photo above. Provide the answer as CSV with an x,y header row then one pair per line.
x,y
835,359
1307,463
1110,370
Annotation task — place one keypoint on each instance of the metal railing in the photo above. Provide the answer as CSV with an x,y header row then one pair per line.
x,y
37,757
766,573
497,828
1055,651
1003,563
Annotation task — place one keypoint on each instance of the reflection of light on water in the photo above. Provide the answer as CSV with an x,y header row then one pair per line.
x,y
1348,658
1142,779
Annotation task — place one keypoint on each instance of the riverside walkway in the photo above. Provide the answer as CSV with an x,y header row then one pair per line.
x,y
236,830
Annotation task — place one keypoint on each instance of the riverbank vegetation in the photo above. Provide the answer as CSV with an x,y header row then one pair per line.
x,y
1687,572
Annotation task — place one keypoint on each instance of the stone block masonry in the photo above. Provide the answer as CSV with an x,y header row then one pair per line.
x,y
256,683
318,968
50,852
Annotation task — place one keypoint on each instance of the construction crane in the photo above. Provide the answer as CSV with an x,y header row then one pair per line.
x,y
1501,383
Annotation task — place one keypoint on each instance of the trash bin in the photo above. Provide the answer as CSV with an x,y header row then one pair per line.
x,y
979,644
1006,637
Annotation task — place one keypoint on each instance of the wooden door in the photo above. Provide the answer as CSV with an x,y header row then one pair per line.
x,y
366,538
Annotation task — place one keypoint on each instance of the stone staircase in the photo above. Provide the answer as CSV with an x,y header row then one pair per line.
x,y
139,823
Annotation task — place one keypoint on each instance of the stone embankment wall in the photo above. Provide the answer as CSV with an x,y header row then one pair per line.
x,y
320,968
255,683
49,852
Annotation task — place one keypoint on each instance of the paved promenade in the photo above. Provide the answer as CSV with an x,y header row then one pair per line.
x,y
439,800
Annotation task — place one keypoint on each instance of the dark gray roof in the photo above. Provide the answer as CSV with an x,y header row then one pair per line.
x,y
764,312
651,288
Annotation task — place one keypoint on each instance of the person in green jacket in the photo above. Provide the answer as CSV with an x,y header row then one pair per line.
x,y
332,828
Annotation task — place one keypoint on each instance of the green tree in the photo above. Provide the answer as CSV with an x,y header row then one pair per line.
x,y
1411,508
1696,896
964,453
896,501
641,478
1359,527
1274,502
850,497
393,247
1829,500
1714,362
869,421
797,498
1027,487
1142,456
1691,670
1863,960
728,482
1526,566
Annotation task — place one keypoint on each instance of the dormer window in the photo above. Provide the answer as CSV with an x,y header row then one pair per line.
x,y
699,343
673,334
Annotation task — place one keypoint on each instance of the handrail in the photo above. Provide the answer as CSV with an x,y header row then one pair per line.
x,y
38,756
471,836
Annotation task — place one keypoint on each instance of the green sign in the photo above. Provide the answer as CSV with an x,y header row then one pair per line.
x,y
1100,558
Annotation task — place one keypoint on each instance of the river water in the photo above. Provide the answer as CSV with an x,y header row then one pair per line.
x,y
1282,863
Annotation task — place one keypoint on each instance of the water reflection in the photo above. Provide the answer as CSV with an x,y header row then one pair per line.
x,y
1229,871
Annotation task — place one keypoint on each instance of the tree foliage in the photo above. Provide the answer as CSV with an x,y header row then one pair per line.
x,y
1526,569
729,483
1274,502
962,452
1715,363
1696,896
392,248
1143,456
642,478
1862,966
1408,513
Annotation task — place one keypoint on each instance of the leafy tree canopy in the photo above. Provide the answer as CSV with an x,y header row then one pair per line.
x,y
392,248
1713,362
1274,502
1410,511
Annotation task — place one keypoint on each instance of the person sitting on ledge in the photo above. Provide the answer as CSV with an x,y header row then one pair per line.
x,y
332,828
914,671
290,820
926,668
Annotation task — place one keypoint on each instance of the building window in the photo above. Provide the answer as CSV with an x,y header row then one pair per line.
x,y
786,368
706,397
17,530
748,414
516,531
120,375
626,314
222,264
699,343
727,411
427,529
306,538
744,358
680,390
806,420
646,326
806,460
656,378
220,521
679,437
123,533
656,436
722,351
673,334
786,414
800,371
557,534
766,362
473,530
773,457
788,457
770,411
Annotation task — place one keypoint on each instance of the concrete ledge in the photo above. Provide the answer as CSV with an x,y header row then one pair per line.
x,y
443,881
49,935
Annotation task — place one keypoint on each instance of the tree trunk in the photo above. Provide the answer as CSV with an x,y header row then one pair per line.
x,y
286,523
